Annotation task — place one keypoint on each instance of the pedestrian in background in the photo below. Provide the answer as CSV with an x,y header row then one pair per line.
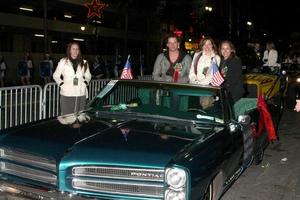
x,y
46,68
202,61
30,69
231,69
25,69
72,75
172,65
99,66
270,57
255,57
2,71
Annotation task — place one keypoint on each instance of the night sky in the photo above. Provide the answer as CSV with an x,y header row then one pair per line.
x,y
278,16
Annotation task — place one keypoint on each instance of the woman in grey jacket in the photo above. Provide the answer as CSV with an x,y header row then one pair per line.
x,y
172,65
72,75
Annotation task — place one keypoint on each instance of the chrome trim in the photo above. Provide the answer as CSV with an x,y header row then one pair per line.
x,y
9,189
28,159
120,188
29,173
120,173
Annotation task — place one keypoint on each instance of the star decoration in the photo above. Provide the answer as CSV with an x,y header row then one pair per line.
x,y
95,8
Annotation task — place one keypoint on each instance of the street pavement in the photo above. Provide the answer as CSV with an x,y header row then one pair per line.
x,y
277,177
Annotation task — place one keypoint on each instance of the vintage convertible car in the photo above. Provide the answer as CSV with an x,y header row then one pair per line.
x,y
137,140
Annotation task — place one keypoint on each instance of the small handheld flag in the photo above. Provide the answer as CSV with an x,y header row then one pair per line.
x,y
217,79
126,73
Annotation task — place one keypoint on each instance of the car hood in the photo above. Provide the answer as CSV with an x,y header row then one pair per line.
x,y
103,140
134,143
50,138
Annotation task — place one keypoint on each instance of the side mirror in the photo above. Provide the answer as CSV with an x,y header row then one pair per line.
x,y
233,127
244,119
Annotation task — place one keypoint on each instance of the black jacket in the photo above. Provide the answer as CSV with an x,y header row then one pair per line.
x,y
232,71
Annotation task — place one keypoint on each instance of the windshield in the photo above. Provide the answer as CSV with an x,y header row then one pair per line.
x,y
165,101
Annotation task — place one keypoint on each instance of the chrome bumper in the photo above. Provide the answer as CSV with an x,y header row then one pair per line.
x,y
12,191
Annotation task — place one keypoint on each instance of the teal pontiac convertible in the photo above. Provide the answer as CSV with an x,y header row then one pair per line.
x,y
138,140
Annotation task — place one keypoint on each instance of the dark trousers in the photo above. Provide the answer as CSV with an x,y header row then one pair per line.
x,y
70,105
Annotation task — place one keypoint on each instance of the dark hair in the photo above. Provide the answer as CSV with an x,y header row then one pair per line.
x,y
171,36
271,45
79,58
204,40
233,51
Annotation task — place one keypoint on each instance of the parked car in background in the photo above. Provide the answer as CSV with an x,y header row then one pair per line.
x,y
137,140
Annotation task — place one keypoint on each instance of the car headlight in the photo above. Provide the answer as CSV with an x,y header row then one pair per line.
x,y
298,80
176,178
175,195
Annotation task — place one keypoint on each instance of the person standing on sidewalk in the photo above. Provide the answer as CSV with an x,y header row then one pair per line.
x,y
72,75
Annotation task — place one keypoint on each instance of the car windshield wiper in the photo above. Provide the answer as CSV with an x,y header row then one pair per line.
x,y
152,117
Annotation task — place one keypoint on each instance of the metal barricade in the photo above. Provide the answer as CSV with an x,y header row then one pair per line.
x,y
95,86
145,78
50,100
20,105
51,96
23,104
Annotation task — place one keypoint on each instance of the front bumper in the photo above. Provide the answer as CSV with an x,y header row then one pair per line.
x,y
13,191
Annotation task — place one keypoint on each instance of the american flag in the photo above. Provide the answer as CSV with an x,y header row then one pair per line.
x,y
126,73
125,132
217,79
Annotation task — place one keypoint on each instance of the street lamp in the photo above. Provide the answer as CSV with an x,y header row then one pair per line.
x,y
208,8
249,24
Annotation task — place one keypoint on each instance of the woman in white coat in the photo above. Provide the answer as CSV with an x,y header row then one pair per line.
x,y
270,56
72,75
202,61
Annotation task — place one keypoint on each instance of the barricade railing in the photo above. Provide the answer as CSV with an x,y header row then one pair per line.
x,y
146,77
20,105
23,104
95,86
51,96
50,100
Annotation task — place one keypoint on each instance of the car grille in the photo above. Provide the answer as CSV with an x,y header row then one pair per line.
x,y
122,181
26,172
26,165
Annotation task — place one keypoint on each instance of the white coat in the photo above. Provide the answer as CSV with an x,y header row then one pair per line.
x,y
270,58
65,69
203,63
